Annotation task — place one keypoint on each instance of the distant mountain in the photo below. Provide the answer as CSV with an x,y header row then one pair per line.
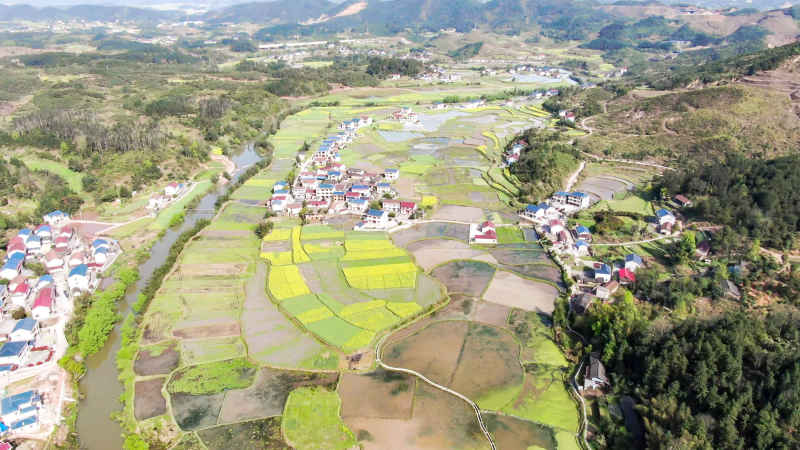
x,y
762,5
279,11
84,12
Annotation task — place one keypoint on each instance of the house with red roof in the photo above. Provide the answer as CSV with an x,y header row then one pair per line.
x,y
19,296
54,261
407,208
484,233
626,276
43,305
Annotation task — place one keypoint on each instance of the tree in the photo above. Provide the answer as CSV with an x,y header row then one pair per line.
x,y
263,228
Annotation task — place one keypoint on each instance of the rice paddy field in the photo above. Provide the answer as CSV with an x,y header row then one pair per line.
x,y
270,343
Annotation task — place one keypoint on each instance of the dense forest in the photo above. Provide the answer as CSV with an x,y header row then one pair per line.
x,y
545,162
758,198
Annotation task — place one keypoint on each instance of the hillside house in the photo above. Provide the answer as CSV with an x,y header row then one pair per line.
x,y
605,291
157,201
383,189
602,273
583,233
626,276
61,243
357,205
19,294
172,189
361,189
44,232
663,217
44,281
24,330
325,191
100,256
33,244
484,233
78,279
12,266
682,201
56,218
16,246
595,375
14,353
633,262
43,306
581,248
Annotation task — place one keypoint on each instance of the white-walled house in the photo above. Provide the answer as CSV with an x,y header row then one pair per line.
x,y
78,279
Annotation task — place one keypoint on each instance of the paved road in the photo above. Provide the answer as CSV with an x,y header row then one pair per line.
x,y
437,386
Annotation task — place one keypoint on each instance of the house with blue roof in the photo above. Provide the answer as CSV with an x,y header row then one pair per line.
x,y
633,262
33,244
578,199
12,266
280,185
24,233
17,410
583,233
357,205
391,174
581,248
24,330
602,273
376,218
14,352
45,280
56,217
79,277
538,212
665,216
98,243
383,188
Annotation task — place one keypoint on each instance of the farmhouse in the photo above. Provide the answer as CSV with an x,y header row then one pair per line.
x,y
376,218
33,244
484,233
172,189
357,205
76,259
16,246
44,232
43,305
538,212
407,208
78,279
606,290
101,256
20,293
682,201
581,248
583,233
633,262
45,280
24,330
62,243
13,266
56,217
19,407
14,353
602,273
556,226
663,216
574,199
383,188
391,206
626,276
595,376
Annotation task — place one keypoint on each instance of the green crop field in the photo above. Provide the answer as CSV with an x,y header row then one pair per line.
x,y
550,403
213,377
509,235
311,420
339,333
72,178
388,276
314,232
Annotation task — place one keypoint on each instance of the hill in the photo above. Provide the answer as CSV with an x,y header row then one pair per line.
x,y
85,12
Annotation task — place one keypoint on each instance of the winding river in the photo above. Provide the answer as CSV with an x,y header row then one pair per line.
x,y
102,390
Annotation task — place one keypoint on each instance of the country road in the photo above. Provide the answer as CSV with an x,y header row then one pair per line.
x,y
437,386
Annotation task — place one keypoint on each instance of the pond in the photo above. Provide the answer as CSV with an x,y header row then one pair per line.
x,y
399,136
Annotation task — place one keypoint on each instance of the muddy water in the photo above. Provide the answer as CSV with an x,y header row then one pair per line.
x,y
100,386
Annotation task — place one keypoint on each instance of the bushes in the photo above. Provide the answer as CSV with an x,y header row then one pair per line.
x,y
102,314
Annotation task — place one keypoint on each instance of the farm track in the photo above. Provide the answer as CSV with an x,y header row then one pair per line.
x,y
422,377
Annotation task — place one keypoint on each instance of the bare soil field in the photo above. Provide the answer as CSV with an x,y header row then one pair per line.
x,y
148,401
511,433
155,363
520,255
196,411
267,396
431,230
511,290
380,394
542,271
491,313
264,434
430,253
604,187
440,421
459,213
465,277
205,331
432,351
488,362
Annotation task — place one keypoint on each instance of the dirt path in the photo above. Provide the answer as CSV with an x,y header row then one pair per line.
x,y
422,377
574,177
628,161
623,244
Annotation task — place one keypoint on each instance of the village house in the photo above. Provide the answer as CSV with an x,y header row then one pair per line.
x,y
43,305
14,353
20,293
157,201
595,375
383,189
390,174
76,259
33,244
279,186
20,410
16,246
666,221
602,273
574,199
44,281
538,212
56,218
61,243
44,232
682,201
626,276
172,189
605,291
555,226
407,208
581,248
325,190
484,233
391,206
361,189
12,266
78,279
293,209
357,205
376,218
24,330
583,233
633,262
100,256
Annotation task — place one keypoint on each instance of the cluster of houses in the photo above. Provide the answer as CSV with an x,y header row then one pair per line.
x,y
405,114
171,191
437,75
71,264
607,278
